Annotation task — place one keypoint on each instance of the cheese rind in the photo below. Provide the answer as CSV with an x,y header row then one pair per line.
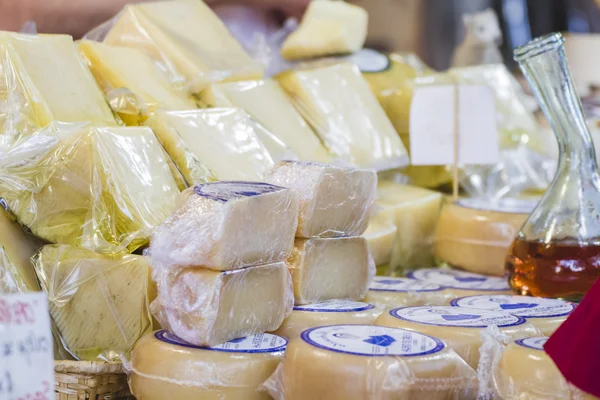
x,y
334,201
205,307
228,225
165,367
390,292
331,268
381,235
461,283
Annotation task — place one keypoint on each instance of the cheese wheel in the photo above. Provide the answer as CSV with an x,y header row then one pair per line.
x,y
459,327
165,367
389,292
358,362
332,312
545,314
474,235
460,283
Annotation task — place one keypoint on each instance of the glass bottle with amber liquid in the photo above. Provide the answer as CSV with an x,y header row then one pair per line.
x,y
557,252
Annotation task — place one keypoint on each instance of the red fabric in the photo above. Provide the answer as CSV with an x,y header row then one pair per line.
x,y
575,346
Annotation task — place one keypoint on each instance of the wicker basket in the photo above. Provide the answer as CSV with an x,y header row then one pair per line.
x,y
90,380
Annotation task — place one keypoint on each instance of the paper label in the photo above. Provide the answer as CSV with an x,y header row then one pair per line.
x,y
367,340
533,343
389,284
515,206
26,348
528,307
456,316
336,306
226,191
263,343
459,279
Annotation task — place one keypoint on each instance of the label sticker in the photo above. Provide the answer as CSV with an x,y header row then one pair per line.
x,y
367,340
507,205
263,343
459,279
456,316
225,191
533,343
528,307
336,306
390,284
369,60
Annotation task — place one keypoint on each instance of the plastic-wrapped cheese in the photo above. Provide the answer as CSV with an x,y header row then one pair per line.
x,y
474,234
356,362
390,292
228,225
330,268
545,314
334,201
460,328
165,367
205,307
461,283
331,312
381,235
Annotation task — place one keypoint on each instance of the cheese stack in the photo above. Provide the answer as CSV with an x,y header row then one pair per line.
x,y
218,262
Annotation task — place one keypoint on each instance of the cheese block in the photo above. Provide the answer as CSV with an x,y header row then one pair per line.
x,y
99,304
220,143
545,314
122,71
228,225
334,201
460,328
337,102
356,362
381,235
269,105
460,283
415,211
165,367
331,268
475,234
331,312
390,292
525,371
205,307
187,39
327,28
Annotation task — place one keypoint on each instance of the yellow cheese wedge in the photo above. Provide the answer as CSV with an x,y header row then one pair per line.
x,y
381,236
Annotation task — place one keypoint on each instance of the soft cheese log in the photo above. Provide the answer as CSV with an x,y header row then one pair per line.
x,y
389,292
381,235
228,225
327,28
165,367
268,103
187,39
358,362
99,304
461,283
331,268
207,307
334,201
337,102
209,144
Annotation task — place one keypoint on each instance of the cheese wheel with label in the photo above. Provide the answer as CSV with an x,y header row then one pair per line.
x,y
359,362
460,328
545,314
390,292
165,367
460,283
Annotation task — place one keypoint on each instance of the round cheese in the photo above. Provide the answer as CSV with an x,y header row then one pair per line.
x,y
165,367
475,235
459,327
461,283
390,292
357,362
332,312
545,314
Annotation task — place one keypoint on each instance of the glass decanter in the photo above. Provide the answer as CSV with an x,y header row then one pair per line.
x,y
557,252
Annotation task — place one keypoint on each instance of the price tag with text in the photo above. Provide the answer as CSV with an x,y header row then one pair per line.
x,y
26,348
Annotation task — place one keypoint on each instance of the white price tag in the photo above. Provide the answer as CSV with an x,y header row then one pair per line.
x,y
26,348
432,135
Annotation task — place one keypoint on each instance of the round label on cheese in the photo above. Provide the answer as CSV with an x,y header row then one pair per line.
x,y
536,343
367,340
336,306
369,60
528,307
389,284
225,191
459,279
515,206
456,316
263,343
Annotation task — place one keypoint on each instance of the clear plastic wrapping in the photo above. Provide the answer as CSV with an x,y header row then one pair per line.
x,y
390,292
334,200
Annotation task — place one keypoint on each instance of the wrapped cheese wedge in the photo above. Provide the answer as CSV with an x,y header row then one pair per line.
x,y
381,236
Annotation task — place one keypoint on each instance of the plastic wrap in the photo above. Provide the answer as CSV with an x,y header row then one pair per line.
x,y
104,189
205,307
337,102
99,304
355,362
389,292
381,236
228,225
475,234
186,39
331,268
334,201
165,367
461,283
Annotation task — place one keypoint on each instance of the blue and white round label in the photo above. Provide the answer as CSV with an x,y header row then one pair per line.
x,y
528,307
336,306
459,279
263,343
390,284
535,343
456,316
